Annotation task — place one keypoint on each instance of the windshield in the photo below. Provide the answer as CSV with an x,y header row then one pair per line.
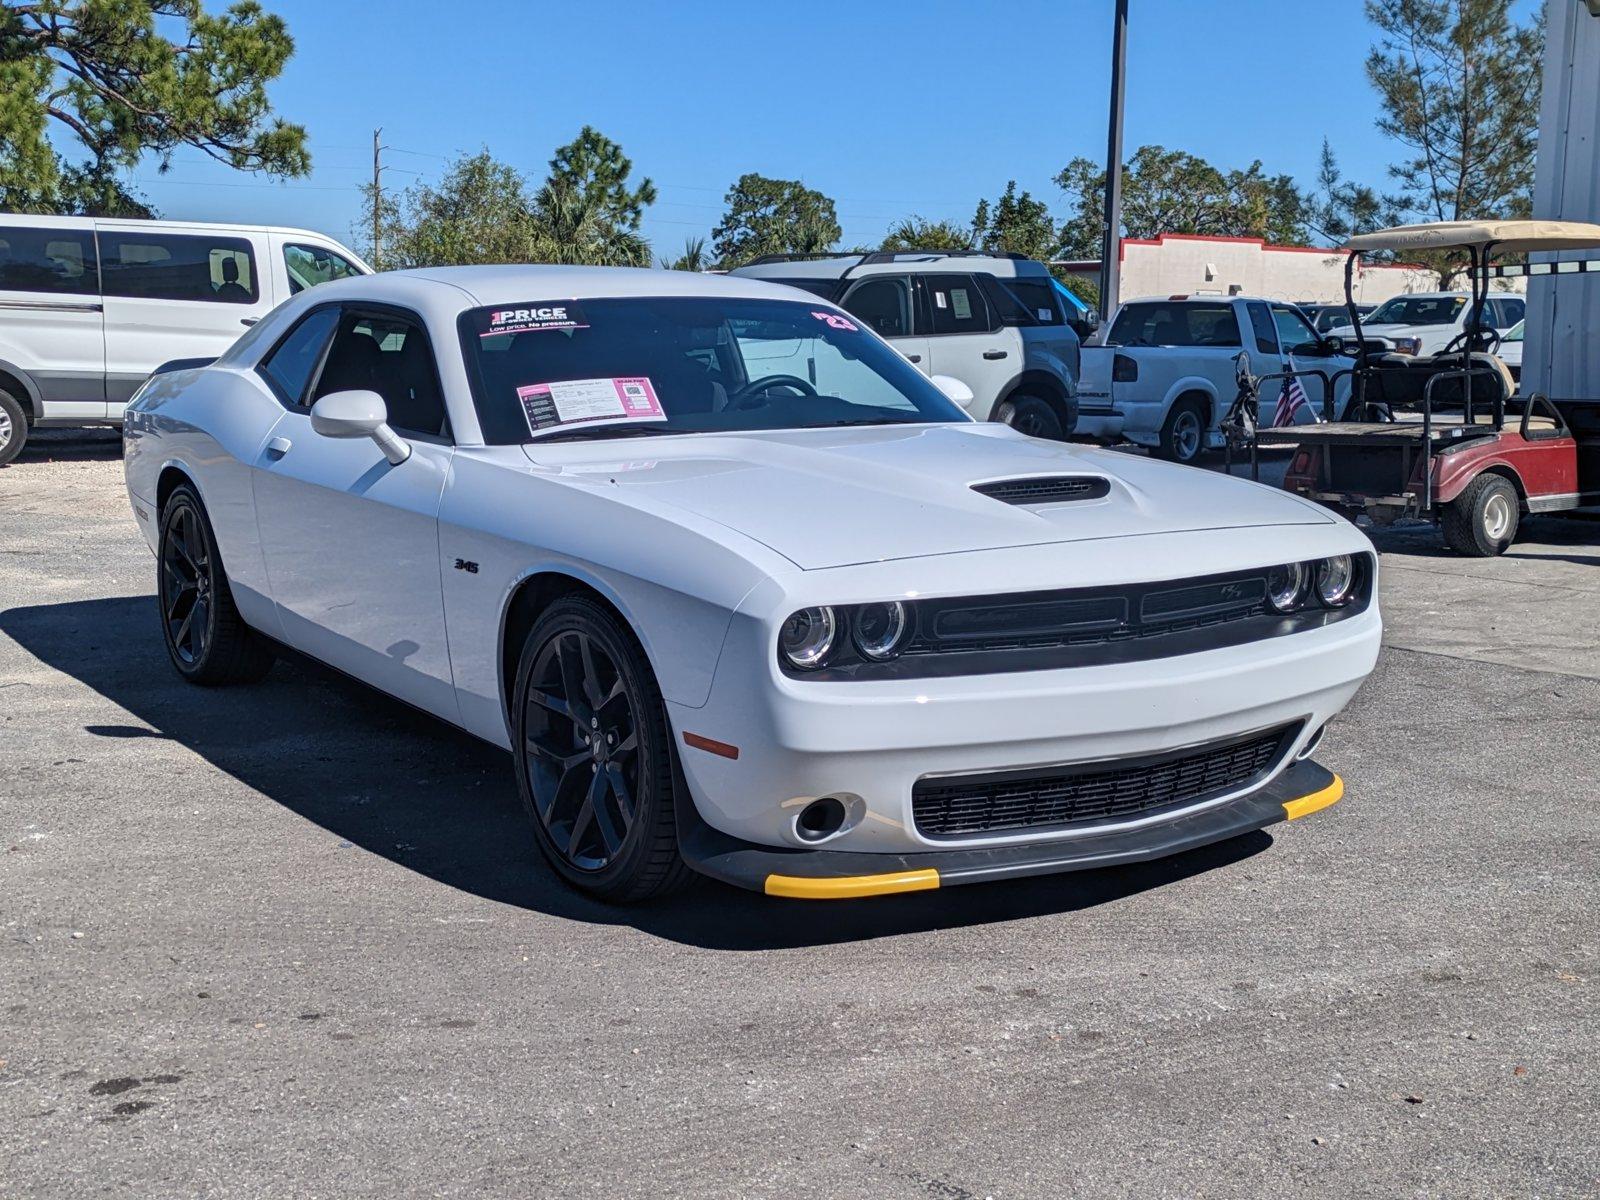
x,y
1418,310
1514,334
565,369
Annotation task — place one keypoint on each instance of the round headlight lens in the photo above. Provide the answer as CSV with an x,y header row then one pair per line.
x,y
878,628
807,636
1336,580
1286,587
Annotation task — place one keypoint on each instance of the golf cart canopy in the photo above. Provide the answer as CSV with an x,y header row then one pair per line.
x,y
1503,235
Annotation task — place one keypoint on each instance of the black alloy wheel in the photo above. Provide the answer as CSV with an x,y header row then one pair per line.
x,y
595,763
207,641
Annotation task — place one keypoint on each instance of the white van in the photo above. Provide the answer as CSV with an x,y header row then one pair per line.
x,y
90,306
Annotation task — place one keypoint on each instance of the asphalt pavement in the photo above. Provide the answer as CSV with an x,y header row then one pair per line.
x,y
295,940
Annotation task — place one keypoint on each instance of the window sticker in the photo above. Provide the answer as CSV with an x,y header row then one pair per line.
x,y
1045,315
835,321
938,299
529,319
960,303
548,406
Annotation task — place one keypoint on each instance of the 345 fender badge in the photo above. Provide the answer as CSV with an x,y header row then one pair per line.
x,y
462,564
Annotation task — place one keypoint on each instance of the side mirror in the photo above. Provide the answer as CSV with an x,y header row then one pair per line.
x,y
953,389
359,415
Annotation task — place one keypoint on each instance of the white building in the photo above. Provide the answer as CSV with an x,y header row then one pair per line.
x,y
1177,264
1561,353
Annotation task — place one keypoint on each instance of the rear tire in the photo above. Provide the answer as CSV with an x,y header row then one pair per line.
x,y
1482,521
208,642
1183,436
603,811
1032,415
13,427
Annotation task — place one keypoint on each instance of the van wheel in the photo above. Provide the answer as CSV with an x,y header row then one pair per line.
x,y
1032,415
13,428
1183,437
1482,521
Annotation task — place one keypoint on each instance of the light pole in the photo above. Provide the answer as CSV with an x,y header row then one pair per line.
x,y
1111,244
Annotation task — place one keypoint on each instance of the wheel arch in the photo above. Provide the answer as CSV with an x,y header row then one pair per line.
x,y
1193,389
1038,381
22,388
1456,482
168,478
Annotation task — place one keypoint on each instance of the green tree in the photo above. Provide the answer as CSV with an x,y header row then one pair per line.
x,y
774,216
1459,84
1016,223
103,76
1087,290
693,258
918,233
480,212
1171,191
578,227
592,171
1340,208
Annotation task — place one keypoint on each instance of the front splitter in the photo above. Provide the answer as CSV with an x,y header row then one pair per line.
x,y
841,875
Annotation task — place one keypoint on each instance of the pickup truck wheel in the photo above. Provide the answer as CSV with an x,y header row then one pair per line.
x,y
13,428
207,640
1482,521
1183,437
594,756
1032,415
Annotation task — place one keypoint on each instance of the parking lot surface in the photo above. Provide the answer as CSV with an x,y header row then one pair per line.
x,y
294,940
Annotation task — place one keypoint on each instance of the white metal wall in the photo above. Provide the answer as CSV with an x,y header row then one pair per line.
x,y
1561,353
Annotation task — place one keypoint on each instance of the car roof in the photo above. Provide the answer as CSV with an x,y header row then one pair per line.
x,y
472,287
904,261
156,225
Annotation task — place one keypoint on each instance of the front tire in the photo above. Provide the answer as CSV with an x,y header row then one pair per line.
x,y
594,756
1482,521
1032,415
1183,434
13,427
208,642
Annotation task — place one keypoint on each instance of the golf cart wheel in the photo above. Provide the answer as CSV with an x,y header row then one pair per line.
x,y
13,428
594,756
207,641
1032,415
1183,436
1482,521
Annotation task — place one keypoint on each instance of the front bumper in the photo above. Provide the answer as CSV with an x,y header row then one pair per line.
x,y
1302,789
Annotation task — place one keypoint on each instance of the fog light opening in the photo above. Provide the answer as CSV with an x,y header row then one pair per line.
x,y
1311,745
820,820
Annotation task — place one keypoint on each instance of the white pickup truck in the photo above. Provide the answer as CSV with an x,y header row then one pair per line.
x,y
1163,372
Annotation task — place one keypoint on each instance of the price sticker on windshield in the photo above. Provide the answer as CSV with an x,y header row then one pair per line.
x,y
549,406
835,321
532,318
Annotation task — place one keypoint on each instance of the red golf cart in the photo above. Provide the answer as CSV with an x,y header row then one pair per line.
x,y
1445,437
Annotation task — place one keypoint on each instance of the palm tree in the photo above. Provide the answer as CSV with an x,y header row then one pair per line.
x,y
693,258
572,229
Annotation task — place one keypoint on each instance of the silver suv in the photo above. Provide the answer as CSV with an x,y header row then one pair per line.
x,y
998,323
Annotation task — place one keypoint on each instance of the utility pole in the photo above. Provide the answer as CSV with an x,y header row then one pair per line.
x,y
1111,243
377,198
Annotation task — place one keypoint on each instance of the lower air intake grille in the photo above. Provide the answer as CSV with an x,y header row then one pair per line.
x,y
1045,489
1056,797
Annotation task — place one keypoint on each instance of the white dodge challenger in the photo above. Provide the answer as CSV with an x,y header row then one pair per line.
x,y
742,591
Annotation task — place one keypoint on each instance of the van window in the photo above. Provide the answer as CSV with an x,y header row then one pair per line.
x,y
310,265
957,304
59,261
1174,324
171,266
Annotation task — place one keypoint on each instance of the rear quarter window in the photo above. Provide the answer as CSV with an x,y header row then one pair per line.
x,y
56,261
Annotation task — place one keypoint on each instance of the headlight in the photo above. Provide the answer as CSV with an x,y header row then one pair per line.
x,y
878,628
1286,587
807,636
1336,580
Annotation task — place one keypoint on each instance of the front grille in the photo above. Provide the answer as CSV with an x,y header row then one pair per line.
x,y
1061,797
1045,489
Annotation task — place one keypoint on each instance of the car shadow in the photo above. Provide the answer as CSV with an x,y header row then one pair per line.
x,y
380,776
70,445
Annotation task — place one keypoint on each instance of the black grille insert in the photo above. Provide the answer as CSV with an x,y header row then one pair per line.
x,y
1059,797
1045,489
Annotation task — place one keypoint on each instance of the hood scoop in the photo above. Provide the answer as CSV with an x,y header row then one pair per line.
x,y
1045,489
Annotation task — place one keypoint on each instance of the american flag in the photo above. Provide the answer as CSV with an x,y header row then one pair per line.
x,y
1290,398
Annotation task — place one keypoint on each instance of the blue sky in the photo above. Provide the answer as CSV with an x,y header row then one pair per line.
x,y
891,108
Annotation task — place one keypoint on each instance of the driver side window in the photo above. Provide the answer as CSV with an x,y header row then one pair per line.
x,y
390,355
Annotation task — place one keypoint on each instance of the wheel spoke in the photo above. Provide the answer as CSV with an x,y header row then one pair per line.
x,y
563,762
580,826
622,792
551,703
196,622
186,591
572,683
599,790
591,676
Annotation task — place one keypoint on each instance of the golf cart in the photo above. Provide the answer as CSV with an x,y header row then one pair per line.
x,y
1444,437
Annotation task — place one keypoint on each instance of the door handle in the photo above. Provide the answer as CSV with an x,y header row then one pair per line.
x,y
248,321
913,358
993,354
279,446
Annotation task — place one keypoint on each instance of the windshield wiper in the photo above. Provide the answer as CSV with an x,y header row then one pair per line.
x,y
608,431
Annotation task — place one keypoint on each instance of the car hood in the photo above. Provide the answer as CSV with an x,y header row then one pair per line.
x,y
836,497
